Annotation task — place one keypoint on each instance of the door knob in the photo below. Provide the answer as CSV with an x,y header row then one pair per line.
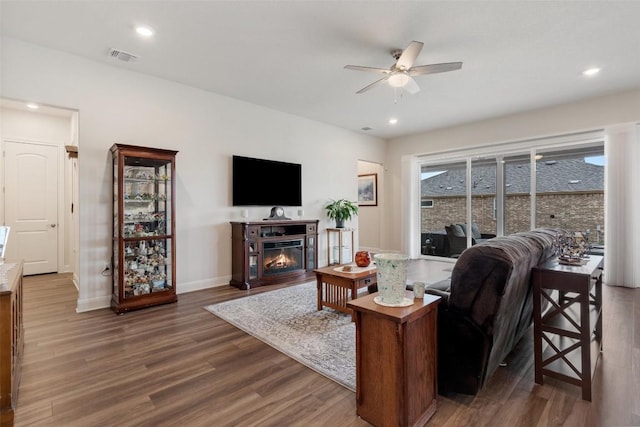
x,y
52,225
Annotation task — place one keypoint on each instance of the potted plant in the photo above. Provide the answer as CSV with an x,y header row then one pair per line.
x,y
341,211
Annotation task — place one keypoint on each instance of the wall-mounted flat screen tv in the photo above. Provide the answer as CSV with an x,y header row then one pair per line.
x,y
260,182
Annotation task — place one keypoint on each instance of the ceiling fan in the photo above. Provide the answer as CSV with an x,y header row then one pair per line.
x,y
401,74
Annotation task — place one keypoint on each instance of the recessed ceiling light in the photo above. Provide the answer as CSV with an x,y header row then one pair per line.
x,y
33,106
393,121
144,31
591,71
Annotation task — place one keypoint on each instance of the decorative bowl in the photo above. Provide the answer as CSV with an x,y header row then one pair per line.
x,y
363,259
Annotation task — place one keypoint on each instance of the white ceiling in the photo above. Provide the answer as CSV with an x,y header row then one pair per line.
x,y
289,55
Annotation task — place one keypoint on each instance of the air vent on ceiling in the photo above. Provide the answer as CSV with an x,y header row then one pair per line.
x,y
122,55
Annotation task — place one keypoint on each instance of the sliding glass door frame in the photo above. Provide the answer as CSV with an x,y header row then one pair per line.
x,y
498,153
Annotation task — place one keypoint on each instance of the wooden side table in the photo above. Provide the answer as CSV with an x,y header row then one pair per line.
x,y
571,327
396,366
336,287
340,259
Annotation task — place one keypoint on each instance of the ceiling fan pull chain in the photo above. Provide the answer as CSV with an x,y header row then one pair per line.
x,y
397,90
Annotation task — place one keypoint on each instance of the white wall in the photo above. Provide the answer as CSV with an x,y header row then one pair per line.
x,y
117,105
370,217
595,113
35,127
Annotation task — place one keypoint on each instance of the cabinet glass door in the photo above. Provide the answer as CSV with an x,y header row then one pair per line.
x,y
146,226
147,267
147,193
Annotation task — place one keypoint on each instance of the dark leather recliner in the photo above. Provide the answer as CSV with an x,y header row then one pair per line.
x,y
486,308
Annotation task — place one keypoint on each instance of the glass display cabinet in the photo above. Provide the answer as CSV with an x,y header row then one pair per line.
x,y
143,255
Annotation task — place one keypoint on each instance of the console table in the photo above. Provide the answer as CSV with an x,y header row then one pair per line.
x,y
396,370
11,338
572,325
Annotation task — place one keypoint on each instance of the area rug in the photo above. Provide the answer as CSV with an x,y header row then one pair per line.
x,y
288,320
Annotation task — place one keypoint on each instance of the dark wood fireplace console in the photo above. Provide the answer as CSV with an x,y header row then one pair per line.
x,y
269,252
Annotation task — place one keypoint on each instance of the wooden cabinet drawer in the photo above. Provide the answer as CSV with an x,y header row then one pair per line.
x,y
367,281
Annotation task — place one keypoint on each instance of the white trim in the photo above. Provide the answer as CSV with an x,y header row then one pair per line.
x,y
508,148
532,188
469,206
198,285
498,201
409,241
95,303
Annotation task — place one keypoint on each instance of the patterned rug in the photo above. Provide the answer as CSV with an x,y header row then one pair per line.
x,y
288,320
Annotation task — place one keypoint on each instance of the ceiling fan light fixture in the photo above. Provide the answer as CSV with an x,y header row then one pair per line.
x,y
401,74
398,80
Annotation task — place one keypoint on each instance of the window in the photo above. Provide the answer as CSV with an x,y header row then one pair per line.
x,y
445,187
511,192
570,191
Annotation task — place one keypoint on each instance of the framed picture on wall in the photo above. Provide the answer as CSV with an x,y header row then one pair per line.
x,y
368,189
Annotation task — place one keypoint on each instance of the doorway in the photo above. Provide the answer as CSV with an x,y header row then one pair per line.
x,y
40,187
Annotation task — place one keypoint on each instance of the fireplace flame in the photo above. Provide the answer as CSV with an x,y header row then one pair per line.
x,y
280,261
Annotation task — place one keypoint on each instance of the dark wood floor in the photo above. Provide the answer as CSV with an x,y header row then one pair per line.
x,y
178,364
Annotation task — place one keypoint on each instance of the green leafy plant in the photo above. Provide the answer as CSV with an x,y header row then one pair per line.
x,y
341,210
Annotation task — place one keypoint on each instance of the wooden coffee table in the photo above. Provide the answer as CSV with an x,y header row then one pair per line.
x,y
336,287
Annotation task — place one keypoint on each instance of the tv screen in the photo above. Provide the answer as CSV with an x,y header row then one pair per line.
x,y
260,182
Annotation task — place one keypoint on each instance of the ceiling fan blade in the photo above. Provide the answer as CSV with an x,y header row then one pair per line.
x,y
411,86
372,85
409,55
368,69
435,68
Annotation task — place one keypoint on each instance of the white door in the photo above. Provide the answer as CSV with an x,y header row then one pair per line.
x,y
31,205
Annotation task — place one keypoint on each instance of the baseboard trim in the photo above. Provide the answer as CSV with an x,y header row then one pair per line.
x,y
97,303
198,285
76,281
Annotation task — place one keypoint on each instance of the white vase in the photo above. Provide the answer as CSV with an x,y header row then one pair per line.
x,y
392,277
